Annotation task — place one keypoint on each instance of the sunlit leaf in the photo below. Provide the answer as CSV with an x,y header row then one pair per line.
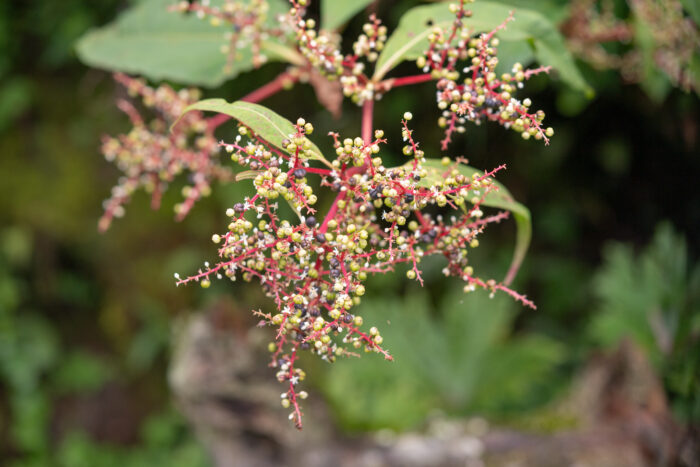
x,y
267,124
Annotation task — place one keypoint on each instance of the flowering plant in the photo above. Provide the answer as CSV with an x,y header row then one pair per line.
x,y
315,267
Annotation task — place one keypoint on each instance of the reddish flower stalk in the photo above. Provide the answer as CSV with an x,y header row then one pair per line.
x,y
406,80
381,217
367,111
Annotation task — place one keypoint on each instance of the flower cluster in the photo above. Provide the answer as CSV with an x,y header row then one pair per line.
x,y
322,51
315,271
462,62
468,87
247,24
151,157
314,268
371,42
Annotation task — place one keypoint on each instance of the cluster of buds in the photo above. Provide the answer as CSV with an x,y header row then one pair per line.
x,y
372,41
382,218
468,87
315,271
368,45
322,51
151,156
246,25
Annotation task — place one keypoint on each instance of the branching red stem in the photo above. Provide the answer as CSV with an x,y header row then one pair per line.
x,y
406,80
367,112
260,94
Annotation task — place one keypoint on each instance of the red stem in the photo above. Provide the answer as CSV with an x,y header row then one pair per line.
x,y
422,221
367,110
407,80
270,88
262,93
314,170
331,212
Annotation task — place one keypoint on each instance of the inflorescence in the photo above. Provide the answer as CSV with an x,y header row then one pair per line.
x,y
150,156
247,24
468,87
315,271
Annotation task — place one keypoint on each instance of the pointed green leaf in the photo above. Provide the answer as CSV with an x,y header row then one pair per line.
x,y
336,12
267,124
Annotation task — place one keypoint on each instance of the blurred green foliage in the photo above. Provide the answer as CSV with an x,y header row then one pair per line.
x,y
654,298
459,358
39,372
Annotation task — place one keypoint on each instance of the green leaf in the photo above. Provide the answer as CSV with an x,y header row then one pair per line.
x,y
336,12
648,297
267,124
501,199
510,52
473,326
151,41
556,11
460,358
410,39
397,394
523,372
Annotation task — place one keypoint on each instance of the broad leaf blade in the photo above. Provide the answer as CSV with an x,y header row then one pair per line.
x,y
151,41
501,199
267,124
410,39
336,12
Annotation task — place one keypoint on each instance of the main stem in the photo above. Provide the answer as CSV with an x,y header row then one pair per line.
x,y
367,114
262,93
407,80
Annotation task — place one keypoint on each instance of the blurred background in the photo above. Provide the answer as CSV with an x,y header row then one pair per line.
x,y
91,324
